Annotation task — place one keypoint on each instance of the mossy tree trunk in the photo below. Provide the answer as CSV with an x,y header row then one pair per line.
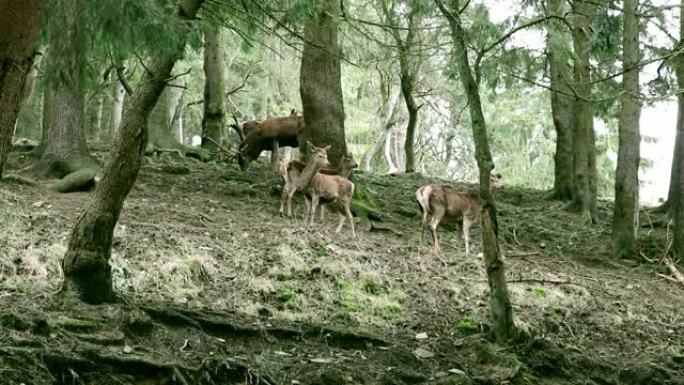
x,y
500,303
19,27
626,210
584,146
562,101
63,147
320,83
87,272
214,89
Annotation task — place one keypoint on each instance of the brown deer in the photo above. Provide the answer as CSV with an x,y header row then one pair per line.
x,y
290,170
333,190
439,204
268,134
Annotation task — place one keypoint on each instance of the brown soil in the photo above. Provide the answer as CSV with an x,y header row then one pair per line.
x,y
217,289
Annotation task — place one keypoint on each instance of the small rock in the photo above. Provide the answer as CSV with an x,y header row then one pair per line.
x,y
127,349
422,353
421,336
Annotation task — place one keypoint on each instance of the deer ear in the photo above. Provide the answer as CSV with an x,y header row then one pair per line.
x,y
311,146
327,148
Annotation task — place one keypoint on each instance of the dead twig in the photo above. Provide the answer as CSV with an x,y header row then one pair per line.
x,y
673,269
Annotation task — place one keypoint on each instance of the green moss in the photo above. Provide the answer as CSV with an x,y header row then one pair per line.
x,y
539,292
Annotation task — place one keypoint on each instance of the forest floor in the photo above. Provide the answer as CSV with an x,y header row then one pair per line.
x,y
216,288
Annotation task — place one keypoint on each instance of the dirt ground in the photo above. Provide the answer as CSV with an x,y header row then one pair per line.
x,y
218,289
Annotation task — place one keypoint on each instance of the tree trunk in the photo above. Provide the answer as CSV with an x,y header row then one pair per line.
x,y
502,311
86,267
562,102
117,108
407,91
320,83
214,88
389,108
677,182
178,107
626,210
584,147
19,27
160,124
63,147
392,166
677,154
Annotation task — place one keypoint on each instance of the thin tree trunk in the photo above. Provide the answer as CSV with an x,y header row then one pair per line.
x,y
389,109
86,267
407,91
214,88
320,83
178,102
117,108
392,167
561,102
626,210
584,147
501,309
19,27
63,147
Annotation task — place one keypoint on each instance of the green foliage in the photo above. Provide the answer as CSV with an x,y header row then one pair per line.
x,y
467,325
539,292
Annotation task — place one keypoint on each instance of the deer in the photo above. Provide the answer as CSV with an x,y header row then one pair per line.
x,y
268,134
332,190
439,204
290,171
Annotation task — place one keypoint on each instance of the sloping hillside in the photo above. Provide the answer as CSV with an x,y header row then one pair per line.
x,y
217,288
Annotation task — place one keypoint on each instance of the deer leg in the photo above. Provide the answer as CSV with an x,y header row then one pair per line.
x,y
308,209
290,193
350,217
434,223
423,225
283,198
274,154
341,223
322,213
314,205
466,233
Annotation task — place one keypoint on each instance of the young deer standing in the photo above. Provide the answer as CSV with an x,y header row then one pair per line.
x,y
332,190
290,170
440,204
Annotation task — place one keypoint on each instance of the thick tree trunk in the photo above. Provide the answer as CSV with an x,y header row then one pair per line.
x,y
214,88
626,211
63,147
19,27
561,102
320,83
117,108
677,154
584,147
502,311
677,182
87,272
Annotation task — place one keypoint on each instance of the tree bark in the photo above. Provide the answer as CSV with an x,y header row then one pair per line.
x,y
679,136
177,109
392,166
626,210
87,272
677,181
19,27
160,125
561,102
214,88
320,83
407,91
500,303
389,109
584,147
63,147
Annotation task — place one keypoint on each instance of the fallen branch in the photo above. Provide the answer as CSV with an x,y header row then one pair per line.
x,y
673,269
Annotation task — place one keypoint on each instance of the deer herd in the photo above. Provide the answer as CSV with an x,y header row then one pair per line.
x,y
325,187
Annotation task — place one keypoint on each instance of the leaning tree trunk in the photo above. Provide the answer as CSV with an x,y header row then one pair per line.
x,y
63,147
214,88
562,102
19,27
584,147
86,267
626,210
320,83
502,311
